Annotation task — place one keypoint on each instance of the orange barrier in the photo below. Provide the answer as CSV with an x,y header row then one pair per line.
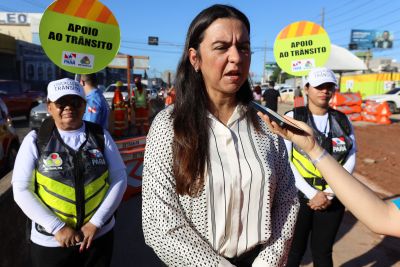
x,y
142,120
120,120
346,99
348,109
377,112
376,118
349,104
132,153
298,101
131,143
355,117
375,108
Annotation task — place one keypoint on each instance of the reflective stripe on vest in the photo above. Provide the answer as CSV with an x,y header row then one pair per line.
x,y
340,151
140,99
60,198
72,183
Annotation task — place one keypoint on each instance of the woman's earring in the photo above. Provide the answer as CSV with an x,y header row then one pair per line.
x,y
196,69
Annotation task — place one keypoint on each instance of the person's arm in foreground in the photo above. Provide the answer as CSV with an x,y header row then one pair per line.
x,y
165,226
380,216
349,163
283,213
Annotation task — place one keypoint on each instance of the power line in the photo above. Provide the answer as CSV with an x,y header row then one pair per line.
x,y
354,14
349,13
333,10
151,50
371,19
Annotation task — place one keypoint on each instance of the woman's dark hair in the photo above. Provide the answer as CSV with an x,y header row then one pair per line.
x,y
191,123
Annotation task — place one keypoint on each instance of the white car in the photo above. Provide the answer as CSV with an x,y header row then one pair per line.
x,y
109,92
392,97
287,94
152,93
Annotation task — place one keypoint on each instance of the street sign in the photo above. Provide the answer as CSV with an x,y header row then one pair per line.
x,y
79,36
153,40
141,62
119,62
301,46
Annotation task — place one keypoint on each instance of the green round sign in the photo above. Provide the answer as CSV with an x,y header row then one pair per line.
x,y
301,46
79,36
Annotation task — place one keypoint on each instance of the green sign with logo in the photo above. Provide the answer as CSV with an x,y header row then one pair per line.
x,y
301,46
79,36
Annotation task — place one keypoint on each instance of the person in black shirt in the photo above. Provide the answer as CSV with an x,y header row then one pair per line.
x,y
271,97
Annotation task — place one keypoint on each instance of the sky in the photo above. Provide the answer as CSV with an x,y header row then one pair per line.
x,y
169,21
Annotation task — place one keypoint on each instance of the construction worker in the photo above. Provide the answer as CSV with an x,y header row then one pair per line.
x,y
141,107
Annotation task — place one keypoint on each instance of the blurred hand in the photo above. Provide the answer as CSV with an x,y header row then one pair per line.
x,y
88,231
304,139
67,237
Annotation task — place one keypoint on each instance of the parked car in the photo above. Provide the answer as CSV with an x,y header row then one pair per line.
x,y
38,115
392,97
287,94
9,142
101,87
152,93
109,92
18,98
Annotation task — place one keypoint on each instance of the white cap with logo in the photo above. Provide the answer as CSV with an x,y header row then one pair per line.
x,y
59,88
318,76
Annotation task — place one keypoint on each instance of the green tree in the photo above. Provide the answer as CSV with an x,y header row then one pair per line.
x,y
280,76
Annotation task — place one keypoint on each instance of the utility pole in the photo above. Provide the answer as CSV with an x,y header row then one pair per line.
x,y
265,62
323,17
368,58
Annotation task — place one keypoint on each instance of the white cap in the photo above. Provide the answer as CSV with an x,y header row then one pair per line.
x,y
318,76
59,88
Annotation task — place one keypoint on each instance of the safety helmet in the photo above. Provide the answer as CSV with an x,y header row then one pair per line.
x,y
119,83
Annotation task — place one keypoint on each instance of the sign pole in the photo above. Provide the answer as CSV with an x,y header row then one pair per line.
x,y
128,77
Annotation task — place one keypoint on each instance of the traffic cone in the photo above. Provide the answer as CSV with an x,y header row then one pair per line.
x,y
383,120
384,109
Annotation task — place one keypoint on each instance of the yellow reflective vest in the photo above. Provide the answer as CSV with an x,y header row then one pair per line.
x,y
337,142
72,183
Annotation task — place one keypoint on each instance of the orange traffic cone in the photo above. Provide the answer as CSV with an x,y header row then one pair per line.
x,y
384,109
383,120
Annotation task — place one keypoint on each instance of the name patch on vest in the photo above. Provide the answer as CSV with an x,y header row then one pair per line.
x,y
53,162
96,157
338,144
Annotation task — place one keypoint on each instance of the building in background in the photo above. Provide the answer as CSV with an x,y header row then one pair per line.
x,y
8,55
21,26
